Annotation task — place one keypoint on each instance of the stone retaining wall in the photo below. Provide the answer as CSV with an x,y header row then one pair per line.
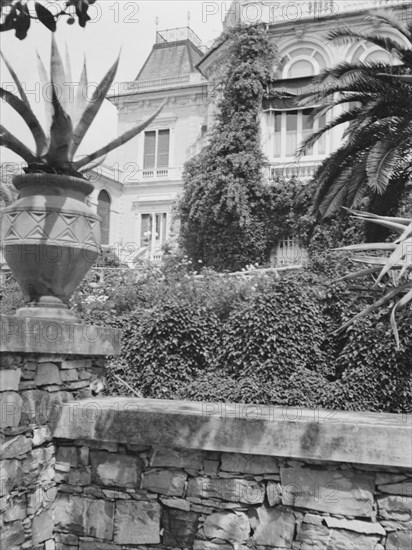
x,y
124,489
31,389
84,472
42,365
114,495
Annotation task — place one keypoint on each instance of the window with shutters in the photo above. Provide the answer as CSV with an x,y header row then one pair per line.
x,y
156,149
289,129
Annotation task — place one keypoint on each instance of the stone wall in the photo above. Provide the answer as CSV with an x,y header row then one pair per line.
x,y
111,496
80,471
32,388
123,483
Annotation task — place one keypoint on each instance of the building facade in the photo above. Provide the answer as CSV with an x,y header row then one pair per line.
x,y
136,198
138,192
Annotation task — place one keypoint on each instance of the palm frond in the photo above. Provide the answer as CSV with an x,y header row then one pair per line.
x,y
341,119
345,35
379,165
390,19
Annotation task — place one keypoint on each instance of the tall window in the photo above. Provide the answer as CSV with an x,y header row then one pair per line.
x,y
291,128
303,60
277,121
103,210
153,222
156,149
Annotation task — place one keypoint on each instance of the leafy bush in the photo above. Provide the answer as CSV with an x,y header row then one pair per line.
x,y
169,345
250,340
224,214
11,297
372,374
280,325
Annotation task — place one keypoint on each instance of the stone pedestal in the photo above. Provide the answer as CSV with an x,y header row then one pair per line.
x,y
42,365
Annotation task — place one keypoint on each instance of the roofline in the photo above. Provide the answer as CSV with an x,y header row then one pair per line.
x,y
209,53
165,45
171,88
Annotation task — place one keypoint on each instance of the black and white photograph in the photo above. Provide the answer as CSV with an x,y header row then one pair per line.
x,y
205,275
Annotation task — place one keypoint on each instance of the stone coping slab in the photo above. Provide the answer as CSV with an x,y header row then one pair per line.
x,y
332,436
31,335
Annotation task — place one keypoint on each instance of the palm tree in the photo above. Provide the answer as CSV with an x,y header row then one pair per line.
x,y
375,159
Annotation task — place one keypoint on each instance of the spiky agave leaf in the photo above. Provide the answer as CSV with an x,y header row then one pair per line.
x,y
58,151
92,108
358,274
58,76
379,303
369,215
404,301
399,259
16,79
399,256
29,118
93,164
61,132
367,246
80,102
8,140
45,82
374,260
400,228
124,138
70,106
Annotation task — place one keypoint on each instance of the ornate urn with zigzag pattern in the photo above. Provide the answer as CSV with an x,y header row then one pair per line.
x,y
50,236
50,239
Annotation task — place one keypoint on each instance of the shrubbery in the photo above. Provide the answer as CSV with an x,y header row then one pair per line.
x,y
254,340
258,339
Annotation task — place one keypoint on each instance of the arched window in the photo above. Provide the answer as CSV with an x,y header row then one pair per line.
x,y
365,54
103,210
378,55
303,60
301,67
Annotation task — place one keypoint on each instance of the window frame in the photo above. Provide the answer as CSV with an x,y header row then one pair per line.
x,y
278,141
161,236
156,165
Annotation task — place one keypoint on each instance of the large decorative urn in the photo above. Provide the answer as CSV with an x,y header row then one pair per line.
x,y
50,238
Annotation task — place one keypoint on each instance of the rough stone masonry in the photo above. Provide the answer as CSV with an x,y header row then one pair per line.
x,y
95,473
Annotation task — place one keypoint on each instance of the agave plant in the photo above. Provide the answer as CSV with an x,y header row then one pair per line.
x,y
396,268
68,120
